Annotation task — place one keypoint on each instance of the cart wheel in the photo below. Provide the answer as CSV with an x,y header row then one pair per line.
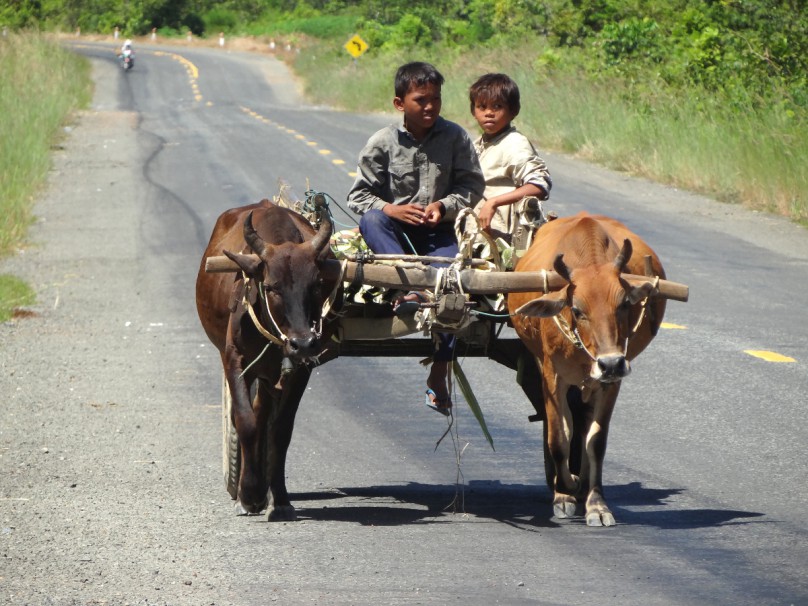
x,y
231,453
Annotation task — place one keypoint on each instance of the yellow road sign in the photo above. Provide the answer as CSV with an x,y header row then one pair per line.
x,y
356,46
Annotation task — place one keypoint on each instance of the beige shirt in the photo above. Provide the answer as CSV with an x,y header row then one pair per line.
x,y
509,161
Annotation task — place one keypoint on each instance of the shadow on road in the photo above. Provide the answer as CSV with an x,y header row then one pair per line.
x,y
523,506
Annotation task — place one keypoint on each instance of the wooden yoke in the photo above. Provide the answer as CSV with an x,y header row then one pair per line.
x,y
416,276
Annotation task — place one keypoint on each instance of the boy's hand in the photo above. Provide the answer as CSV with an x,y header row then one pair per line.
x,y
434,213
413,214
486,213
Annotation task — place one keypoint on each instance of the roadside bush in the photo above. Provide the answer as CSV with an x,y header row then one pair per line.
x,y
168,32
631,40
519,17
323,27
194,22
328,26
24,13
220,20
410,31
373,32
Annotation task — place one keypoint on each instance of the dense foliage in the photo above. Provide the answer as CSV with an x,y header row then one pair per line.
x,y
753,47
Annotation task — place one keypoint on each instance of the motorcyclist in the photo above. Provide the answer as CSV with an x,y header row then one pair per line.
x,y
127,51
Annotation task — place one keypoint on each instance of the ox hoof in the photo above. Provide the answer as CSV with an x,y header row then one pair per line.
x,y
282,513
600,518
564,506
248,510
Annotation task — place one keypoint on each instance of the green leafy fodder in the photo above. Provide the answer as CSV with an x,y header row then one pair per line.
x,y
38,89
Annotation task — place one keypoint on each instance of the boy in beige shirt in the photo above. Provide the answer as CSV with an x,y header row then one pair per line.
x,y
512,168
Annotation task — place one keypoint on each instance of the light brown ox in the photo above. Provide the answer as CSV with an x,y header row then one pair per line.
x,y
281,261
583,338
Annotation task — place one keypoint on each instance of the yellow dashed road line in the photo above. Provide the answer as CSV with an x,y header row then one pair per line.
x,y
769,356
191,69
300,137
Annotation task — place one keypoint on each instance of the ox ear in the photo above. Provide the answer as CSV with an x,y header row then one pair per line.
x,y
638,293
249,264
546,306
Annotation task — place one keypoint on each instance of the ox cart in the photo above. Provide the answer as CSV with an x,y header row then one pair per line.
x,y
467,297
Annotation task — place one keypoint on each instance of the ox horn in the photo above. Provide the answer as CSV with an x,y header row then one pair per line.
x,y
320,241
624,255
561,268
252,238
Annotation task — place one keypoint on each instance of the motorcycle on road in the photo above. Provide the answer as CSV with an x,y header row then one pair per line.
x,y
127,58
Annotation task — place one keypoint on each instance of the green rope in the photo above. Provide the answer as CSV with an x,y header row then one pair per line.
x,y
256,360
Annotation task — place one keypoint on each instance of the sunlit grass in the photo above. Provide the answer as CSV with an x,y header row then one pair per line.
x,y
40,84
755,157
15,295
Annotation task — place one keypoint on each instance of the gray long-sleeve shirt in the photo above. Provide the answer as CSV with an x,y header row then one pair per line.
x,y
394,168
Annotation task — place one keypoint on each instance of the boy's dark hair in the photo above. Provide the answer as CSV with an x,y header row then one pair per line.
x,y
416,74
491,88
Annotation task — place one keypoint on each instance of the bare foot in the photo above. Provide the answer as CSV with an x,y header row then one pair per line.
x,y
438,389
408,304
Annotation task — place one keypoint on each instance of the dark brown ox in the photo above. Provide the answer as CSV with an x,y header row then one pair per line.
x,y
281,258
583,338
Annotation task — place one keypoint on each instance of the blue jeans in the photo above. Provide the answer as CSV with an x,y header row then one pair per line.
x,y
385,235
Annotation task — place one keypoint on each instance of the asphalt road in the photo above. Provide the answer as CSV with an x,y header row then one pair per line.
x,y
110,431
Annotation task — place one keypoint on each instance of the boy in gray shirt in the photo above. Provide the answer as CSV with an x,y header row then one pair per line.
x,y
411,182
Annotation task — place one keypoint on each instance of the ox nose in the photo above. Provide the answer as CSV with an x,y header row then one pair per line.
x,y
613,366
302,346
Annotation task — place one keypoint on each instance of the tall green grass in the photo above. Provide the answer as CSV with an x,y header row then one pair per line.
x,y
756,156
337,27
40,84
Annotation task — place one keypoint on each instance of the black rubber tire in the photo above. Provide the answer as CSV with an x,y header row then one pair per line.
x,y
231,452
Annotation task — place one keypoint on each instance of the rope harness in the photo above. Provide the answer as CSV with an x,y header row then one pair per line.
x,y
316,203
574,337
281,339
